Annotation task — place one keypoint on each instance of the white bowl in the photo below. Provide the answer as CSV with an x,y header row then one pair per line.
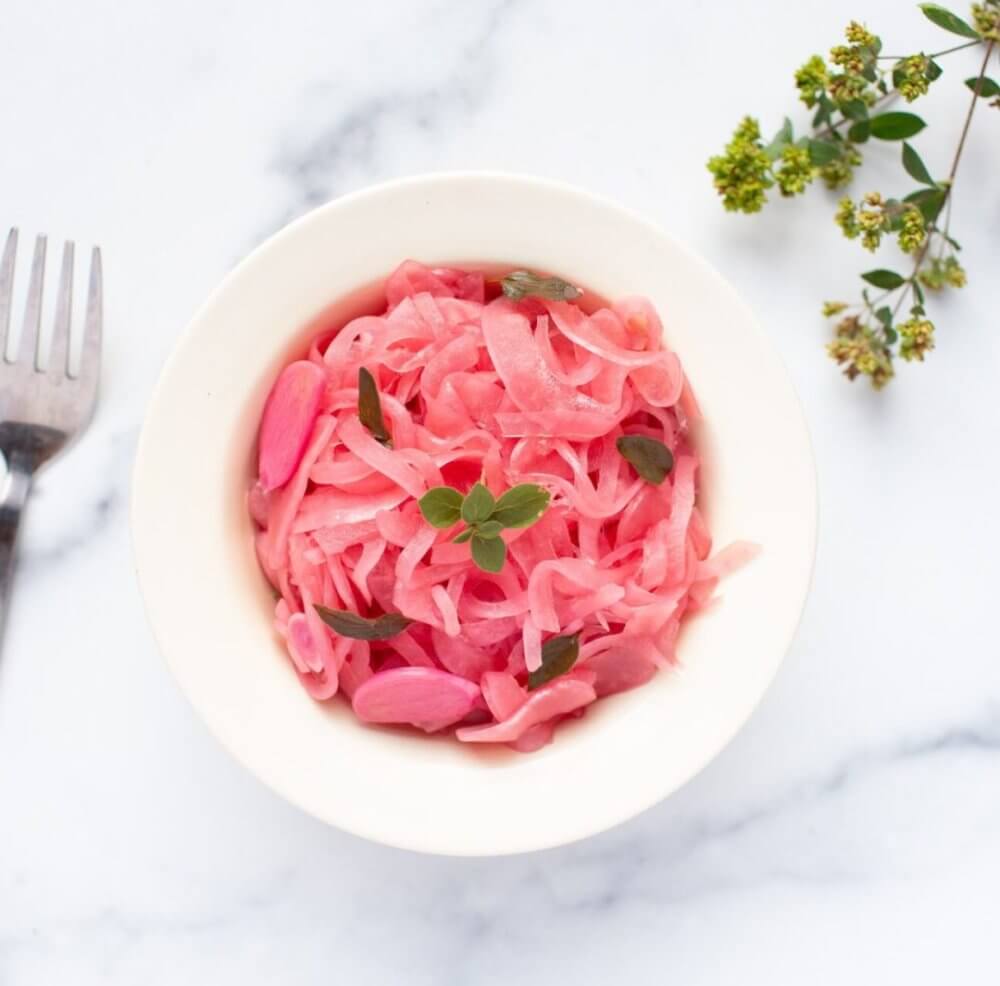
x,y
210,607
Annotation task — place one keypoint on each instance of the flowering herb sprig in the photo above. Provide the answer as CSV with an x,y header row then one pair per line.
x,y
485,517
848,93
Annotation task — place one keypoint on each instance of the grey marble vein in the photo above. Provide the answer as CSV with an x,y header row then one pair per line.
x,y
353,139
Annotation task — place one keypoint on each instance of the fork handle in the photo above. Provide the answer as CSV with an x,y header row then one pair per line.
x,y
12,501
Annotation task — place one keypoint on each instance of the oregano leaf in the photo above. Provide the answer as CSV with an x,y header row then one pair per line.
x,y
370,407
650,458
948,21
915,167
441,506
489,554
881,278
521,284
360,627
987,88
559,654
895,125
477,505
521,505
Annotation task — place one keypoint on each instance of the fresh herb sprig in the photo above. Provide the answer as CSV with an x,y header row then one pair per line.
x,y
520,284
649,457
348,624
370,408
559,654
484,517
848,93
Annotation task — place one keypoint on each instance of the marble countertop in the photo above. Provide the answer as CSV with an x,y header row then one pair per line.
x,y
851,833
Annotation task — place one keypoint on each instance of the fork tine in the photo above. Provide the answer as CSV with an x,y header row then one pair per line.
x,y
33,306
7,289
90,361
59,355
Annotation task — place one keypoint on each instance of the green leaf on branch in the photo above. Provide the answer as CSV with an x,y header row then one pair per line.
x,y
859,132
781,140
929,201
915,167
823,152
856,109
888,280
884,315
948,21
987,87
895,126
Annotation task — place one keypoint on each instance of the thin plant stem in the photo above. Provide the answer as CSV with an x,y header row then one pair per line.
x,y
933,54
911,280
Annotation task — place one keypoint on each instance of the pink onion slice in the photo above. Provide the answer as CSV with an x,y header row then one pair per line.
x,y
558,698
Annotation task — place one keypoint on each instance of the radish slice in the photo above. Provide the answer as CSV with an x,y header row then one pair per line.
x,y
422,697
287,422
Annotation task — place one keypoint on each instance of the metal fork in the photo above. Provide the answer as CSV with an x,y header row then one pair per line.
x,y
43,407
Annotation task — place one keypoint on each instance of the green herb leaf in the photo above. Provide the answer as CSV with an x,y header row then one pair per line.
x,y
929,201
441,506
523,283
785,135
489,529
370,407
948,21
891,335
781,140
859,132
521,505
489,554
559,654
933,70
463,536
987,89
915,167
918,291
855,109
478,504
650,458
895,210
823,152
359,627
895,126
887,279
884,315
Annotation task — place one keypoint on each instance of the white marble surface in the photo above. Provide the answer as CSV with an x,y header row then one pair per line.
x,y
850,834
